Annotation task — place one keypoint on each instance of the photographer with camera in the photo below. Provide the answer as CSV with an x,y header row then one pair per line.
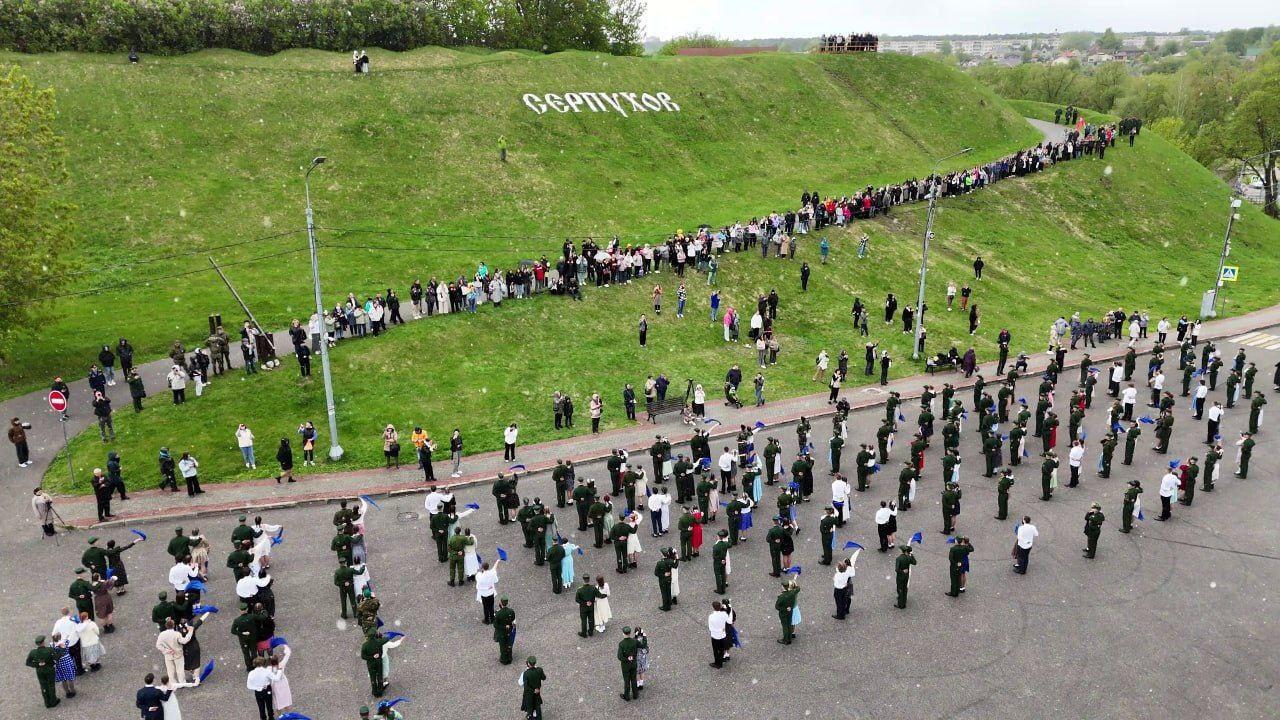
x,y
18,436
42,506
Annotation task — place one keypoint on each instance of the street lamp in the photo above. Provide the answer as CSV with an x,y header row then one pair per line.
x,y
1234,209
924,253
335,450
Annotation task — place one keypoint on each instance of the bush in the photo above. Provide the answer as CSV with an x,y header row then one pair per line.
x,y
269,26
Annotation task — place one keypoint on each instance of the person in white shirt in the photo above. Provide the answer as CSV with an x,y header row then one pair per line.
x,y
244,438
183,572
1027,534
840,499
1117,377
67,627
262,535
1129,398
820,369
248,586
658,503
843,582
509,441
1215,421
436,500
1162,330
487,588
1074,457
90,642
726,464
259,681
1157,385
887,524
1169,485
718,628
1202,392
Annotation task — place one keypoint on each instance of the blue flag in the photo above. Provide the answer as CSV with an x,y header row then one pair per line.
x,y
393,635
1174,463
737,638
793,485
579,551
516,468
709,421
392,703
502,554
723,503
793,569
951,541
901,418
1142,515
1004,437
369,500
111,572
1117,428
832,544
851,545
1022,400
141,535
760,425
279,538
206,670
202,609
1083,434
378,619
473,506
277,641
195,585
916,538
1146,420
705,463
1198,373
292,716
1015,527
875,468
1024,452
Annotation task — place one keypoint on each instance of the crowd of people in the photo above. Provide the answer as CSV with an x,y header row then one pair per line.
x,y
853,42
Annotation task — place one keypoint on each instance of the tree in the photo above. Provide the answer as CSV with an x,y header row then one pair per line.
x,y
1235,41
1170,47
944,47
1254,128
692,40
34,221
1110,42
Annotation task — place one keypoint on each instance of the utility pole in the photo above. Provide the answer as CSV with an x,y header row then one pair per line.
x,y
924,248
1226,250
335,449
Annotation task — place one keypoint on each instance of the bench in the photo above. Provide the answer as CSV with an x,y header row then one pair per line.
x,y
663,407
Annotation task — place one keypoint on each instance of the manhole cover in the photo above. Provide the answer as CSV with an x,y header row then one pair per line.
x,y
407,516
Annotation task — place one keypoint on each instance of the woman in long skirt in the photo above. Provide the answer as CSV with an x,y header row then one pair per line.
x,y
604,613
386,658
91,649
200,551
280,691
566,567
633,540
64,666
696,540
642,655
172,711
470,560
104,606
609,517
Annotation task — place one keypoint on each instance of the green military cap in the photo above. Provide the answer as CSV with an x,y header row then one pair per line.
x,y
39,639
242,518
93,539
1096,506
177,529
906,548
244,606
626,630
163,595
504,598
80,571
364,709
531,660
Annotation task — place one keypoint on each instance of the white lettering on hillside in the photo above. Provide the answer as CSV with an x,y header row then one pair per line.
x,y
618,102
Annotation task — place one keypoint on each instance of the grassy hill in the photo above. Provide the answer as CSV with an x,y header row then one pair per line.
x,y
1140,229
179,154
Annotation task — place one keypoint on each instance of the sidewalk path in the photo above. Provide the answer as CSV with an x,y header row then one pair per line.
x,y
221,498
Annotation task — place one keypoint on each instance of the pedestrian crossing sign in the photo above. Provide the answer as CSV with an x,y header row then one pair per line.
x,y
1230,273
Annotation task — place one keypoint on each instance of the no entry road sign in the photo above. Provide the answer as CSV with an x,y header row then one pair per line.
x,y
57,401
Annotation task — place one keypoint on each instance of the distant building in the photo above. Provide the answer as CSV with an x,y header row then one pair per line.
x,y
725,51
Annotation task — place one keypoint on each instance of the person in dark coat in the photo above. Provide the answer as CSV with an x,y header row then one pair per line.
x,y
284,456
150,699
969,363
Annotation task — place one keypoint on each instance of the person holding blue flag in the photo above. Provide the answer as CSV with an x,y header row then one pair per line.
x,y
788,610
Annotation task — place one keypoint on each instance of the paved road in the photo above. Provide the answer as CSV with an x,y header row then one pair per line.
x,y
1051,131
1177,619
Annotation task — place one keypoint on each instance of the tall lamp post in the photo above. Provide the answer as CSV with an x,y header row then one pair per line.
x,y
1234,207
335,450
924,253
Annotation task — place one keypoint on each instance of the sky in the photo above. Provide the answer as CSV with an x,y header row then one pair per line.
x,y
742,19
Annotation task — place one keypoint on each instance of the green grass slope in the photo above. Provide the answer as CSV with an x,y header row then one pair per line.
x,y
1145,235
179,154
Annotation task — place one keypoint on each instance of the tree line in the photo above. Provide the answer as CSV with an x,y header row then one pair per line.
x,y
269,26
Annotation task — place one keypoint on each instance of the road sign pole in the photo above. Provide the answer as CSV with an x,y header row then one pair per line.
x,y
66,448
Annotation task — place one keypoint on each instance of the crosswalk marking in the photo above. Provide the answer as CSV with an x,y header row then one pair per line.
x,y
1274,346
1245,336
1258,339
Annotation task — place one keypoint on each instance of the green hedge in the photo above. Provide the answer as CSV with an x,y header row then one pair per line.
x,y
269,26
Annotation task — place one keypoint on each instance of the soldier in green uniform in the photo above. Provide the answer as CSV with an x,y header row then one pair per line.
x,y
1255,412
950,507
95,558
344,580
583,496
371,653
1074,419
179,545
1089,384
41,659
1250,373
1192,474
1130,362
1093,528
902,572
457,550
891,405
662,571
1050,424
704,488
1017,436
504,490
341,543
1109,442
882,445
238,560
979,385
1042,409
771,452
586,597
596,514
614,464
1246,451
827,530
538,526
1002,494
990,449
683,471
1164,431
81,593
618,534
523,515
957,558
1211,459
1215,365
786,605
685,526
629,480
245,629
628,649
343,515
720,561
367,608
560,477
1233,381
504,630
836,444
659,451
1130,504
1046,475
1188,372
241,532
776,537
531,680
555,558
162,611
733,516
1130,440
